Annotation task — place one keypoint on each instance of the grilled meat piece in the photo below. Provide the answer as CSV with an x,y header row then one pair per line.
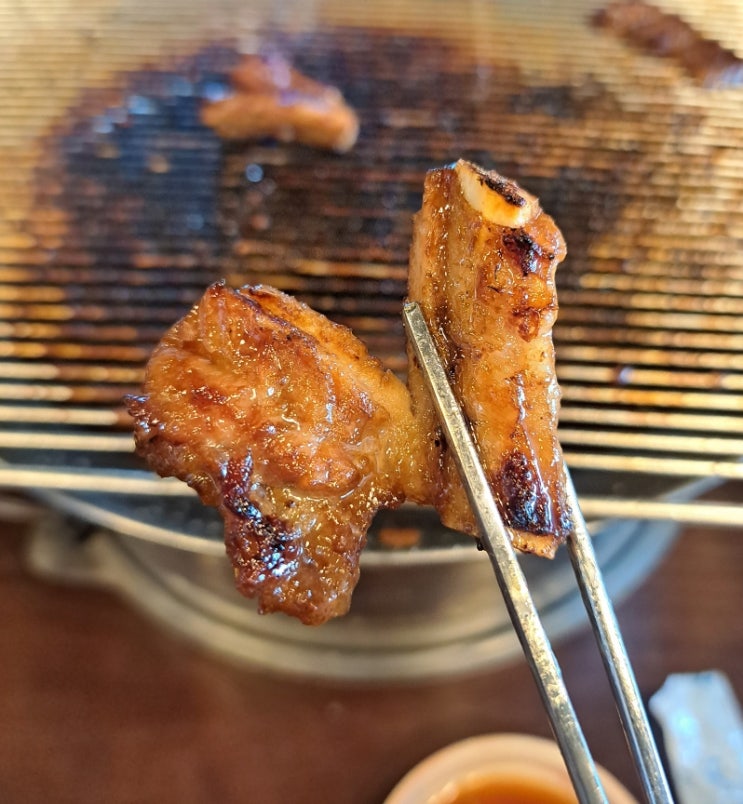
x,y
283,421
482,268
272,99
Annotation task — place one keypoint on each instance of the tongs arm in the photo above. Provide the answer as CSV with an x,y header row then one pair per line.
x,y
521,607
614,655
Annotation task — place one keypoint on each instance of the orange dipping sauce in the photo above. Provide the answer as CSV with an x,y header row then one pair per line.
x,y
497,769
503,789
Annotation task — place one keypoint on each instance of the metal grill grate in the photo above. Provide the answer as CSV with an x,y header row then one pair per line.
x,y
118,208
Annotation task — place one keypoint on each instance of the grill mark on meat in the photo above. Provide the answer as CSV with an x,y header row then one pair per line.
x,y
235,484
506,189
527,252
528,321
269,534
522,495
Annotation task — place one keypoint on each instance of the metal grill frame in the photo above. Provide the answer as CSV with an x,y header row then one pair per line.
x,y
650,335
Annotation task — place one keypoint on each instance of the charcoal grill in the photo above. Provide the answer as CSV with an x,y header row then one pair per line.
x,y
119,208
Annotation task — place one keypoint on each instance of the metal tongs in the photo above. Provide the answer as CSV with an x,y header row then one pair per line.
x,y
523,612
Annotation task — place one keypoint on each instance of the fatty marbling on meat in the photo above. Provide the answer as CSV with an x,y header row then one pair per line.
x,y
482,268
281,420
284,422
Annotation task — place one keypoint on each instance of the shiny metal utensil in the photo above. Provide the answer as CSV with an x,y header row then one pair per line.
x,y
523,612
614,654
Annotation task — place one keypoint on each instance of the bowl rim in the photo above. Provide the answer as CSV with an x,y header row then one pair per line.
x,y
509,752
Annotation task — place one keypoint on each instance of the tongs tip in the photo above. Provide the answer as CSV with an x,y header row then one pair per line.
x,y
522,609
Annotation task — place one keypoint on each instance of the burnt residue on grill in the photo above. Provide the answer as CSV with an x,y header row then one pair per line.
x,y
125,226
136,179
150,207
336,231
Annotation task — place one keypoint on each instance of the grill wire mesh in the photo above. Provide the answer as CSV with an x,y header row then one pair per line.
x,y
119,208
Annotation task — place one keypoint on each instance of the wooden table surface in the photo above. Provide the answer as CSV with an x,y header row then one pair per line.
x,y
97,704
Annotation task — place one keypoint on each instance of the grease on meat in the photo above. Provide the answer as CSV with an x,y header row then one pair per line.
x,y
281,420
482,268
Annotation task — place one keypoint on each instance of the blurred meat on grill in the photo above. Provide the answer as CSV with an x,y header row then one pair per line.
x,y
272,99
664,34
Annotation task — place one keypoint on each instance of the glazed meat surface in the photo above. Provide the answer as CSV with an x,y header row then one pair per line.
x,y
272,99
281,420
482,268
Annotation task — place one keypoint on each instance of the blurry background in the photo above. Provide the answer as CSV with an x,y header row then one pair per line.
x,y
117,208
